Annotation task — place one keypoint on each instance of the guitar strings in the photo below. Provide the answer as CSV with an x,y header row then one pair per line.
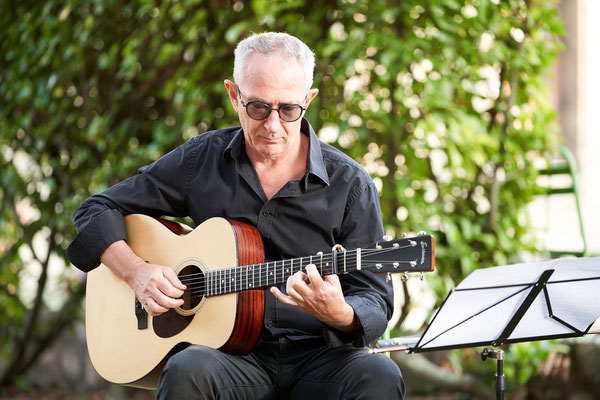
x,y
243,280
238,270
239,277
326,258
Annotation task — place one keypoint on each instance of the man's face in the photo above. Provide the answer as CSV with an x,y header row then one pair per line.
x,y
274,81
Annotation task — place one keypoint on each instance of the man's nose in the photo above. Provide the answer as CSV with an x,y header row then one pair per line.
x,y
273,122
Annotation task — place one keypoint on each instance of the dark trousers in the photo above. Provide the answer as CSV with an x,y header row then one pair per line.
x,y
281,369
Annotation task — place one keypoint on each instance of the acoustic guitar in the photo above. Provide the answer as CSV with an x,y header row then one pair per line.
x,y
221,263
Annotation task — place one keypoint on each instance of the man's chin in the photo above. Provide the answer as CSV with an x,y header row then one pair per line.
x,y
271,151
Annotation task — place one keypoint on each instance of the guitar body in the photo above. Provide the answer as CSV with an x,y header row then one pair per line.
x,y
127,346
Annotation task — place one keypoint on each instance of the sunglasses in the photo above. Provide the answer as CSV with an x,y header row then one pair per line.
x,y
258,110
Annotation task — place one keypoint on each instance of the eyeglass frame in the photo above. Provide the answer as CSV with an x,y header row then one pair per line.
x,y
271,109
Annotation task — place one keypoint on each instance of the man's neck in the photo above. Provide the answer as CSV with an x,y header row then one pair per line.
x,y
276,172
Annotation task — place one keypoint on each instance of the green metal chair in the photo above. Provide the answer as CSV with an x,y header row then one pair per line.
x,y
565,166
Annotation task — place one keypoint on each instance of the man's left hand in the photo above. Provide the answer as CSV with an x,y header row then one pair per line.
x,y
320,297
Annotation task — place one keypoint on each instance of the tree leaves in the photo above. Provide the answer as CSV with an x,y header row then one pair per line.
x,y
444,102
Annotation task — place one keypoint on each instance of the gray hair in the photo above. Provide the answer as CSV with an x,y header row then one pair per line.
x,y
274,43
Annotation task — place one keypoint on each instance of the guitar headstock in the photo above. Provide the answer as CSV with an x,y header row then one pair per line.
x,y
414,254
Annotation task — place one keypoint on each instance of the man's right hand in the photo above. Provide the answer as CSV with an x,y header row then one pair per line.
x,y
157,287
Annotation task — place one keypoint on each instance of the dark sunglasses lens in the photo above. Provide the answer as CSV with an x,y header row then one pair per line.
x,y
258,110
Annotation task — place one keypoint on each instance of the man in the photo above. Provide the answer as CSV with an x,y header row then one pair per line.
x,y
303,196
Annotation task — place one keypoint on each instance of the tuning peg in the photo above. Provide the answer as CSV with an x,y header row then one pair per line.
x,y
404,277
421,233
387,238
405,235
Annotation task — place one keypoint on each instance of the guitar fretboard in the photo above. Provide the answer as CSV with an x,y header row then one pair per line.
x,y
236,279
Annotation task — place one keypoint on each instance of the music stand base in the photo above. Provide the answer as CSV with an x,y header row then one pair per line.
x,y
499,378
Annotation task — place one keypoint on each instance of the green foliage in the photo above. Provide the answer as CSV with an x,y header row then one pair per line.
x,y
446,105
444,102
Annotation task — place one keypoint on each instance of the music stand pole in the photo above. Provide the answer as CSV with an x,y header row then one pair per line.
x,y
500,378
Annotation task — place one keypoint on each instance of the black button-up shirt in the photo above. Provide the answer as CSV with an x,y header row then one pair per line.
x,y
210,175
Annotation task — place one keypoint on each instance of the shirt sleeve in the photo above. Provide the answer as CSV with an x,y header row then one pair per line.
x,y
369,295
158,189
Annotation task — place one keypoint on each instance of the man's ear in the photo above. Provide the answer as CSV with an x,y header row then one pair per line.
x,y
233,93
311,95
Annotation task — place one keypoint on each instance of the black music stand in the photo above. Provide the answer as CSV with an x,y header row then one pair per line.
x,y
513,303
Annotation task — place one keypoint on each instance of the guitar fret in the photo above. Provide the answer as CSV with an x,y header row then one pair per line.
x,y
321,263
208,282
234,280
282,269
223,282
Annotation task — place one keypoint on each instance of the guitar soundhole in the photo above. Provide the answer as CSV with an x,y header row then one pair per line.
x,y
192,277
177,319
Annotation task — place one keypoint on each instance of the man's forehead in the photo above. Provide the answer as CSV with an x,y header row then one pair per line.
x,y
273,66
272,79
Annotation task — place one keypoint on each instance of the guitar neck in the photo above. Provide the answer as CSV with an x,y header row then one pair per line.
x,y
403,255
255,276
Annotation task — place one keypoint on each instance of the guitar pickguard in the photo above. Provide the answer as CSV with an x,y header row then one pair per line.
x,y
170,323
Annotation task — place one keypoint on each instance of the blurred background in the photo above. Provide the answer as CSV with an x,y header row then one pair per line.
x,y
476,119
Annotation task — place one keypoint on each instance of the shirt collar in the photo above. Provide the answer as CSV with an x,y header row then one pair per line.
x,y
235,146
315,165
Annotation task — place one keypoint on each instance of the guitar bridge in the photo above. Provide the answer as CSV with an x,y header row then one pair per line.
x,y
141,315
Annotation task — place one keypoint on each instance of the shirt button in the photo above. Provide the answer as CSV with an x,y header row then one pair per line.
x,y
270,323
265,213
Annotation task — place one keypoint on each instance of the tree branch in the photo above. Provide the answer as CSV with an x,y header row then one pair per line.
x,y
23,341
63,320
